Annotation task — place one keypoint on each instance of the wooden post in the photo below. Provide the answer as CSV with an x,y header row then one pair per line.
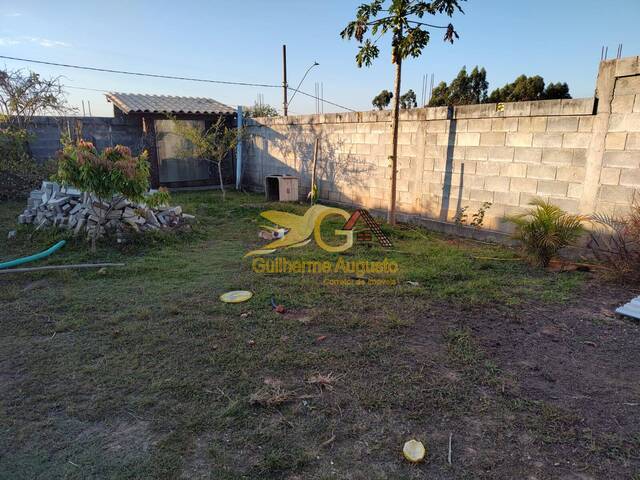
x,y
149,132
284,80
313,171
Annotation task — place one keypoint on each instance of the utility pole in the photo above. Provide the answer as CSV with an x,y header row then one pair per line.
x,y
284,80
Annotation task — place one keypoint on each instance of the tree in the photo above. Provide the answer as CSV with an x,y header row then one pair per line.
x,y
112,172
408,100
401,18
464,89
382,100
25,95
556,90
526,88
261,110
213,144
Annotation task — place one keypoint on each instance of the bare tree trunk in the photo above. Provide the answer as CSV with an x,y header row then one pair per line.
x,y
221,182
391,216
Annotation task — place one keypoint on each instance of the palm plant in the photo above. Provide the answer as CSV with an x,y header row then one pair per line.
x,y
545,229
615,242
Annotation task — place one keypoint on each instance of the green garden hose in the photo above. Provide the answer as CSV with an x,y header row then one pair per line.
x,y
32,258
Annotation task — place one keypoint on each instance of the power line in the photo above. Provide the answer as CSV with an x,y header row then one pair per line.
x,y
169,77
139,74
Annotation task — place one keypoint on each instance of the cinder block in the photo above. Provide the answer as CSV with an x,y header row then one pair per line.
x,y
480,195
577,106
562,124
500,154
576,140
437,126
575,190
372,138
468,139
616,194
624,122
552,187
507,198
528,155
569,205
527,198
497,184
627,85
492,139
363,149
518,170
633,141
479,125
541,172
615,140
626,159
519,139
586,124
546,107
630,177
570,174
506,124
487,168
557,156
477,153
532,124
609,176
547,140
444,139
403,139
579,157
623,103
524,185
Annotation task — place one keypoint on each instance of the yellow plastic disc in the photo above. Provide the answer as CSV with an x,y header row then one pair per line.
x,y
414,451
236,296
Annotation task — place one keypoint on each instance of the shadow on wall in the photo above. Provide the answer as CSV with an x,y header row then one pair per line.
x,y
342,175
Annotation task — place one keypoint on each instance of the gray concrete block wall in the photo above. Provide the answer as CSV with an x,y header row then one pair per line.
x,y
102,131
449,158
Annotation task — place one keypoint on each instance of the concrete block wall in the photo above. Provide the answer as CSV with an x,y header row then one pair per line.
x,y
102,131
581,154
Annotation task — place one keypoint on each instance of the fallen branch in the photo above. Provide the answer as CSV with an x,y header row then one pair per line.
x,y
61,267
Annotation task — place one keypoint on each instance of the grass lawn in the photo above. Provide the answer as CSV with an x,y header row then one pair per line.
x,y
141,372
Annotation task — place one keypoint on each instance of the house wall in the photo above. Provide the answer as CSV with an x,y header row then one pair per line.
x,y
581,154
125,130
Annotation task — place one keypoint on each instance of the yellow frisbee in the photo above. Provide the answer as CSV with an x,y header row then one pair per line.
x,y
236,296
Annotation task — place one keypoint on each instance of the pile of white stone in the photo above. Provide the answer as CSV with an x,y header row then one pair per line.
x,y
64,207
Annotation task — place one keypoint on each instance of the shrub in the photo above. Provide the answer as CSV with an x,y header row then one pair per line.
x,y
112,172
545,229
615,241
19,172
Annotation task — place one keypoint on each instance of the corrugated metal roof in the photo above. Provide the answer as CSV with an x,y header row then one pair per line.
x,y
141,103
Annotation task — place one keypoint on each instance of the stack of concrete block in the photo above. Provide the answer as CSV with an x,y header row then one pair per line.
x,y
64,207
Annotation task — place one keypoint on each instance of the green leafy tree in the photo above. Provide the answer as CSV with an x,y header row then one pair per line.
x,y
213,144
408,100
402,19
556,90
382,100
526,88
114,172
261,110
440,95
465,89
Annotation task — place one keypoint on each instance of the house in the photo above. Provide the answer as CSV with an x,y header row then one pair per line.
x,y
156,115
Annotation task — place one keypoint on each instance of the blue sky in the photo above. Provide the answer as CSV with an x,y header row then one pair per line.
x,y
241,41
